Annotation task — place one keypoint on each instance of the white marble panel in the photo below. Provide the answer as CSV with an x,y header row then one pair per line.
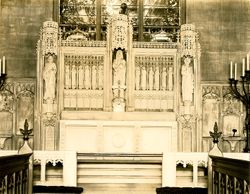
x,y
118,136
81,138
156,139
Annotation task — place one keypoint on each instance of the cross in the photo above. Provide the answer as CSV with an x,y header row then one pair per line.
x,y
119,88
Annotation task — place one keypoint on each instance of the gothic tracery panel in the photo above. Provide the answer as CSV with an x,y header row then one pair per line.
x,y
219,105
16,105
154,83
83,81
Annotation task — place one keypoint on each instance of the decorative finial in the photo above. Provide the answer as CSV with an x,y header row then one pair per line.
x,y
124,9
215,135
26,131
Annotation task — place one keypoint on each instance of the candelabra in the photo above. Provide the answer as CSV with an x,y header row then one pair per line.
x,y
2,80
244,97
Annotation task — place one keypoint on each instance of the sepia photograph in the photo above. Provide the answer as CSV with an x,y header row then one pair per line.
x,y
125,96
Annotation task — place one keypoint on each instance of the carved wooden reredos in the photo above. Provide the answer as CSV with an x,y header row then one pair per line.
x,y
116,75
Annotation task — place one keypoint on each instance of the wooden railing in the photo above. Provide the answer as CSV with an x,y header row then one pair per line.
x,y
230,175
14,174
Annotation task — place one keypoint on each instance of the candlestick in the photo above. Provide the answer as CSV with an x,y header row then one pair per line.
x,y
231,70
3,64
248,62
243,94
243,67
235,71
2,75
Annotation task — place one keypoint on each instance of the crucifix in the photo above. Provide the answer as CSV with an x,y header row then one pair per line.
x,y
119,90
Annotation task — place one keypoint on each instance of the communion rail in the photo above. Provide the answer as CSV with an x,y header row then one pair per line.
x,y
65,163
230,175
14,174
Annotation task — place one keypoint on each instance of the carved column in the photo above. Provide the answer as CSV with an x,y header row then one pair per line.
x,y
189,95
47,91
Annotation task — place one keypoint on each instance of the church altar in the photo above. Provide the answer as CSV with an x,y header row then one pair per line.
x,y
105,136
118,95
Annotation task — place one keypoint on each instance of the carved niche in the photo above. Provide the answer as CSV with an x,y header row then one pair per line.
x,y
16,105
47,52
7,115
219,105
120,33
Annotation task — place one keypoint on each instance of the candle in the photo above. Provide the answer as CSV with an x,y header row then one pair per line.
x,y
248,62
243,67
3,64
235,71
231,70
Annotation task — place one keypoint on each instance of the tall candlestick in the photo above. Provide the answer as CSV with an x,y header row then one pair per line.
x,y
3,64
243,67
248,62
235,71
231,70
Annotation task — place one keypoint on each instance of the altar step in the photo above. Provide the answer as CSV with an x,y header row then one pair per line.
x,y
119,173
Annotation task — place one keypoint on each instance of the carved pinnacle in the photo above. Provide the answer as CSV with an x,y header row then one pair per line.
x,y
215,135
26,131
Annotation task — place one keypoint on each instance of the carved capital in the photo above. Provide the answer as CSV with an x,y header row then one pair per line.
x,y
49,119
187,120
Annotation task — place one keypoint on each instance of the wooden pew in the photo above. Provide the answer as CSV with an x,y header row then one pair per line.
x,y
14,174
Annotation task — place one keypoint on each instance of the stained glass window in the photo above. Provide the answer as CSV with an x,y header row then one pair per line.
x,y
158,17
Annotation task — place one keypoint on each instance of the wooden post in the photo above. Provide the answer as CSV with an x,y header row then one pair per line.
x,y
215,151
24,149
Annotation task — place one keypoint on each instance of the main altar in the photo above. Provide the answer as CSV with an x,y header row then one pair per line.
x,y
123,106
118,95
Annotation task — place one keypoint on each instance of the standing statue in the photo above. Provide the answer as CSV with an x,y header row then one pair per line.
x,y
163,78
80,77
73,77
143,78
137,77
49,76
187,81
170,79
93,77
119,68
67,77
150,78
157,78
87,81
119,82
100,77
